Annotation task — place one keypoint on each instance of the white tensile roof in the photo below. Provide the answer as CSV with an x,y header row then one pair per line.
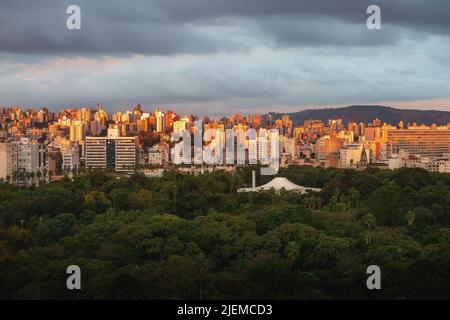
x,y
279,183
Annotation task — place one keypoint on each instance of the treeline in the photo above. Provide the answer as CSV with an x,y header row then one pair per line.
x,y
195,237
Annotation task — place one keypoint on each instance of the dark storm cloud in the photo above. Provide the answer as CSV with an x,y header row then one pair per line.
x,y
108,28
165,27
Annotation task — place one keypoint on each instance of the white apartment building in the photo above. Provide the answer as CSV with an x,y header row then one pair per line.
x,y
30,155
70,156
8,159
95,152
155,157
354,155
126,154
119,154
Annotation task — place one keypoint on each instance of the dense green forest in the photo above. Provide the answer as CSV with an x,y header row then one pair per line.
x,y
195,237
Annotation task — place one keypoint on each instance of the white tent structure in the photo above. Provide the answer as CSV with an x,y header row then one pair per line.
x,y
278,184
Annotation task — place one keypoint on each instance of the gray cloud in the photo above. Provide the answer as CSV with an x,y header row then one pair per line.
x,y
175,27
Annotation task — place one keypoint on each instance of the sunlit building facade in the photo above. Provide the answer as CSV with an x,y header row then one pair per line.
x,y
423,141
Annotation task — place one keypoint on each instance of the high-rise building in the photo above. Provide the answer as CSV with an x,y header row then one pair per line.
x,y
116,153
287,145
84,115
159,121
126,154
3,160
95,152
164,150
142,125
421,141
354,156
180,125
155,157
372,133
77,131
54,161
70,157
335,124
353,126
30,155
42,116
113,132
327,145
169,118
362,128
8,159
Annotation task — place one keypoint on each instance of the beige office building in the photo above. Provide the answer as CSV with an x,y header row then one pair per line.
x,y
426,142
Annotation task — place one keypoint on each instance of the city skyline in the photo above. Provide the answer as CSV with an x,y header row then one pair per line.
x,y
217,116
151,143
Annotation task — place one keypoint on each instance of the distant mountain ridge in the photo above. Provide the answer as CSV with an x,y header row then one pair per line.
x,y
368,113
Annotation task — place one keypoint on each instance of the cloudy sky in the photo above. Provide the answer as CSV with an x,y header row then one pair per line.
x,y
219,56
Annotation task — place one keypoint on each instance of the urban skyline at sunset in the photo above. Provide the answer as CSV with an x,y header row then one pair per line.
x,y
224,159
152,142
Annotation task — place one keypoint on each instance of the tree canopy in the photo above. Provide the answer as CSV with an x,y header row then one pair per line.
x,y
195,237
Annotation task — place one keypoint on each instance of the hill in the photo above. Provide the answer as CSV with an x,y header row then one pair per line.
x,y
368,113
